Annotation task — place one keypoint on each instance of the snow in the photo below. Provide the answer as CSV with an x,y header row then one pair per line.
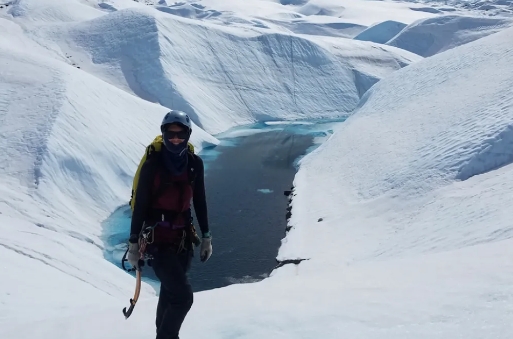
x,y
364,12
138,50
437,132
49,11
381,32
430,36
482,7
350,11
413,188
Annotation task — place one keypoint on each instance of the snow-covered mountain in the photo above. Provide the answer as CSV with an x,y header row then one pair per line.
x,y
413,189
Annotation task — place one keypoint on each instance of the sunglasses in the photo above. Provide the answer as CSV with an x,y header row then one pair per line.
x,y
179,135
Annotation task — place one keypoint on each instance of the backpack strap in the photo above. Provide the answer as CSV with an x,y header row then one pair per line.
x,y
149,153
191,168
150,150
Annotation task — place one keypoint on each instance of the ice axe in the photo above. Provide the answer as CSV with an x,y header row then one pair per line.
x,y
143,241
133,301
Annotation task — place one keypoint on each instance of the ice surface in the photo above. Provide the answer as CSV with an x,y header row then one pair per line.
x,y
401,215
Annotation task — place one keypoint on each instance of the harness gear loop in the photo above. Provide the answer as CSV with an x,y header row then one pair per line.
x,y
181,247
146,233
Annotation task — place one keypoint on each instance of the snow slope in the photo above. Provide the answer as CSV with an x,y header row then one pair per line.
x,y
486,7
430,36
414,192
413,189
214,73
381,32
423,166
70,144
350,11
309,17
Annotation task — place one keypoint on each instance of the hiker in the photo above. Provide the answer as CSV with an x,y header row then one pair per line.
x,y
168,181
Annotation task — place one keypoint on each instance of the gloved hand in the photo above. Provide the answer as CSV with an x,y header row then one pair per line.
x,y
206,248
133,255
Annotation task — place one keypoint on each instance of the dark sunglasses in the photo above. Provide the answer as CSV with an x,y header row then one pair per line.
x,y
183,134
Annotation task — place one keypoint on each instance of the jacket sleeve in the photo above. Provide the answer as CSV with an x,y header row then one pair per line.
x,y
142,199
199,197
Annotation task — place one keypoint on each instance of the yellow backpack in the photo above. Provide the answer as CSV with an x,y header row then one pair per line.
x,y
155,146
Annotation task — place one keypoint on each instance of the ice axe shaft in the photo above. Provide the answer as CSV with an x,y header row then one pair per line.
x,y
133,301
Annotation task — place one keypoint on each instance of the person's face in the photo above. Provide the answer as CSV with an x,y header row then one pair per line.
x,y
176,134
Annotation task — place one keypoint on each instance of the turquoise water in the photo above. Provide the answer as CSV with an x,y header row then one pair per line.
x,y
245,177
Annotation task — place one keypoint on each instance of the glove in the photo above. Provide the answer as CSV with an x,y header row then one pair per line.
x,y
133,255
206,248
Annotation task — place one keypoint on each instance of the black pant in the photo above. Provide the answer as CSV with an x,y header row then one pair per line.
x,y
176,296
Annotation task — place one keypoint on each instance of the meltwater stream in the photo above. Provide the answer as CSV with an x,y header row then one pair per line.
x,y
245,177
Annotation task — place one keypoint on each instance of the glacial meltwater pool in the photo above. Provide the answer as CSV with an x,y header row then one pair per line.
x,y
245,177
